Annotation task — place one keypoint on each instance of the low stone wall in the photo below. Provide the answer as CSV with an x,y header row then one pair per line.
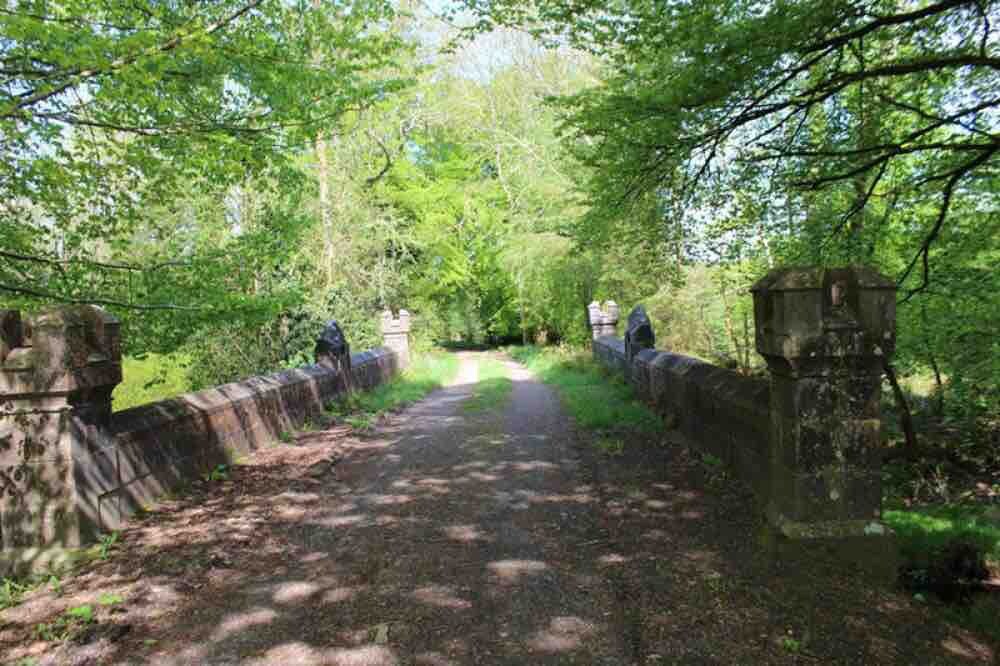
x,y
610,351
373,367
71,468
722,412
153,448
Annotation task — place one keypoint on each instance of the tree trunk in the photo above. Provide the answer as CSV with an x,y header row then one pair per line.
x,y
520,302
326,218
324,207
938,385
747,344
905,416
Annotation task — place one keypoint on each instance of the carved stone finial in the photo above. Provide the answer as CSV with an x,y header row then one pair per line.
x,y
639,334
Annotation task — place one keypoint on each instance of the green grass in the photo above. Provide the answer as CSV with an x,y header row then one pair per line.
x,y
492,389
922,532
610,446
151,378
426,373
597,399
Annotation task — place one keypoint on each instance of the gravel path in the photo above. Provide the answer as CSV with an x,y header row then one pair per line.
x,y
464,541
451,536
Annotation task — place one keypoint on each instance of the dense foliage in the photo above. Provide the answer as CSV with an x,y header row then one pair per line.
x,y
800,131
228,176
152,150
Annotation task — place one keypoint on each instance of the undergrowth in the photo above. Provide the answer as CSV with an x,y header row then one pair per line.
x,y
927,530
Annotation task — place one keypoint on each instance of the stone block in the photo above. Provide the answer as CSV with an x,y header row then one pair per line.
x,y
869,549
95,471
827,495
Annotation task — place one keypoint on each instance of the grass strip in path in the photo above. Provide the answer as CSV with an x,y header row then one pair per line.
x,y
492,389
596,398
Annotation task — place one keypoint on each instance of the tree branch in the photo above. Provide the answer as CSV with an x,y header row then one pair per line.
x,y
95,301
370,182
79,76
923,254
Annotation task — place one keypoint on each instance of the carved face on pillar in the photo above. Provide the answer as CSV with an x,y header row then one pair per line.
x,y
837,293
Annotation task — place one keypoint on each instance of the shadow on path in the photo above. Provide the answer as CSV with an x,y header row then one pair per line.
x,y
450,537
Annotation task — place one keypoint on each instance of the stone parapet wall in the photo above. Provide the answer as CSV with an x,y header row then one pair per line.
x,y
376,366
719,411
71,469
154,447
808,439
610,351
722,412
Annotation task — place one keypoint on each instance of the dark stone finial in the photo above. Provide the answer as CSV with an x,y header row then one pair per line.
x,y
11,332
332,348
639,334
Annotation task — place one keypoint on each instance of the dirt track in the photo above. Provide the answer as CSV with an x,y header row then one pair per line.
x,y
456,537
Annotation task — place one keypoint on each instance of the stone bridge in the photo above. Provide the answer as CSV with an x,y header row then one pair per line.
x,y
461,531
807,441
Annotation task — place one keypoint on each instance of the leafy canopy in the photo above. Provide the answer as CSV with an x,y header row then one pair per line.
x,y
883,106
108,109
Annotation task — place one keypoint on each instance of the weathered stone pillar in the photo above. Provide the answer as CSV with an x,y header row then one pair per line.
x,y
824,334
58,470
396,335
603,320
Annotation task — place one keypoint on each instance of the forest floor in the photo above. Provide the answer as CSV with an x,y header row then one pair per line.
x,y
499,534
